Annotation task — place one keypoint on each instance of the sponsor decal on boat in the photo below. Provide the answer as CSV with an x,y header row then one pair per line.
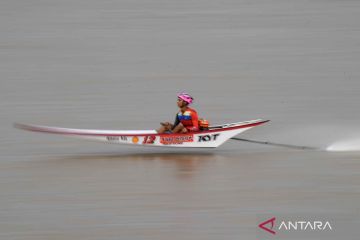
x,y
180,139
149,139
209,137
135,139
116,138
112,138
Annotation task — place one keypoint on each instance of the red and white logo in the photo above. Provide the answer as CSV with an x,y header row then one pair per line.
x,y
268,225
295,226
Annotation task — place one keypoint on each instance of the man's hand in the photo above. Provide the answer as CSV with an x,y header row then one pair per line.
x,y
184,130
168,126
165,124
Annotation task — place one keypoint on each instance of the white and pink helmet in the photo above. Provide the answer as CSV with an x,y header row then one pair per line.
x,y
186,97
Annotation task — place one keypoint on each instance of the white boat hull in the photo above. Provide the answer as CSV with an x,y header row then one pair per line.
x,y
212,138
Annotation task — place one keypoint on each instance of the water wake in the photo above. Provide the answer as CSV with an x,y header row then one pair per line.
x,y
345,146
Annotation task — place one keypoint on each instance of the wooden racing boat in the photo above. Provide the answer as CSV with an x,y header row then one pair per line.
x,y
213,137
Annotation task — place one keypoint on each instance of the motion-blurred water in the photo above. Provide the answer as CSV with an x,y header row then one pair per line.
x,y
119,65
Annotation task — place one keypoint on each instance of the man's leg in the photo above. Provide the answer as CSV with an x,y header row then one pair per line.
x,y
165,127
162,129
180,129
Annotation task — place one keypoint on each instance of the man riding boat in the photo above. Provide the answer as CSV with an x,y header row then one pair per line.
x,y
186,119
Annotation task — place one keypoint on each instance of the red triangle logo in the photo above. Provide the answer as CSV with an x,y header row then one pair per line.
x,y
271,222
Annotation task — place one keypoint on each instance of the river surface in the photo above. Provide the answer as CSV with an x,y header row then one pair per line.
x,y
119,65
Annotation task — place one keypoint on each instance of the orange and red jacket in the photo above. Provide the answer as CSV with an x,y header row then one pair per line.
x,y
189,119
